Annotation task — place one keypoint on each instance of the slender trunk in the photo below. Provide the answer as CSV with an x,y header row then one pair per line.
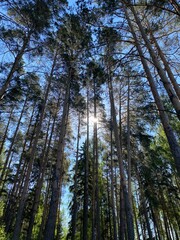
x,y
11,146
14,66
117,192
24,195
167,85
128,143
129,215
166,65
97,215
109,204
136,219
6,130
122,217
58,171
75,204
175,149
112,194
86,190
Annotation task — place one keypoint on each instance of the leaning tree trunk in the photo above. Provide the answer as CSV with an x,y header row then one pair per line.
x,y
167,85
18,223
174,146
58,171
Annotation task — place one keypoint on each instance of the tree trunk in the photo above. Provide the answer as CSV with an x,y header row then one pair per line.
x,y
112,194
58,171
129,215
18,223
175,149
75,204
86,190
167,85
97,212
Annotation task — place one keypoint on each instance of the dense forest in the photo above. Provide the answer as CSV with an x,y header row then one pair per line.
x,y
89,118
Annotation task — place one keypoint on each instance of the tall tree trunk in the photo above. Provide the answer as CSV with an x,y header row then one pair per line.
x,y
97,213
17,228
167,85
112,193
175,149
58,171
129,215
15,65
75,204
128,143
86,190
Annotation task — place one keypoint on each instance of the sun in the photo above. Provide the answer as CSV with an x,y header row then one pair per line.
x,y
92,119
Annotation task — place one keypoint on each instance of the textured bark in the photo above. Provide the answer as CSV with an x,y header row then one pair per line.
x,y
58,171
167,85
175,149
